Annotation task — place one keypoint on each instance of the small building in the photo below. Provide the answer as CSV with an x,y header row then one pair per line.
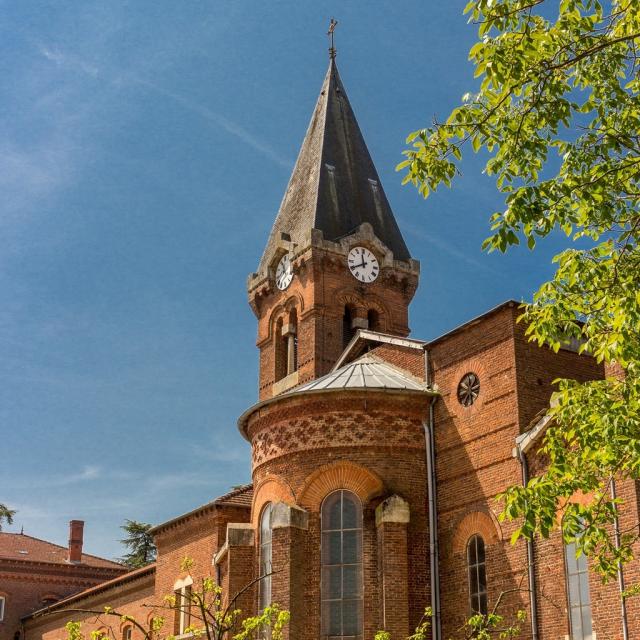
x,y
35,574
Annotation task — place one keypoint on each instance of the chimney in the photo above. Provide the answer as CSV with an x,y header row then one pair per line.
x,y
76,528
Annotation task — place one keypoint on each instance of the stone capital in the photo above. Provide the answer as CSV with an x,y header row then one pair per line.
x,y
393,509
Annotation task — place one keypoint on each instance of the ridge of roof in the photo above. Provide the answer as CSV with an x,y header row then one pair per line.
x,y
86,593
382,338
44,546
334,186
238,497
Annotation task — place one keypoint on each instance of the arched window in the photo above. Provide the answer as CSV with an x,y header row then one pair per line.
x,y
281,351
2,607
341,581
127,632
373,320
292,343
265,557
477,575
347,326
578,593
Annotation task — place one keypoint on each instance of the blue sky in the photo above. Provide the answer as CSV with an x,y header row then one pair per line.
x,y
144,149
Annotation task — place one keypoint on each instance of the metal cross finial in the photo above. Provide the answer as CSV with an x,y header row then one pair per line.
x,y
332,27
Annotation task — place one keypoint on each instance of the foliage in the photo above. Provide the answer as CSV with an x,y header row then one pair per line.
x,y
210,618
558,114
6,515
142,550
478,626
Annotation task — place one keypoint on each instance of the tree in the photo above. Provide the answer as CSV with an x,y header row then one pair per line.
x,y
209,618
6,515
558,113
142,550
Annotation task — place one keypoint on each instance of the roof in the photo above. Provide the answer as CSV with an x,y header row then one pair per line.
x,y
238,497
99,588
364,337
19,546
367,373
334,186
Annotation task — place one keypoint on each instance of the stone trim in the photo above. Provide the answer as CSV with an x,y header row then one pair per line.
x,y
271,489
285,515
393,509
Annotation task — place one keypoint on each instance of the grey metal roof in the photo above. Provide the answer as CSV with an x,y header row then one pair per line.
x,y
334,186
367,372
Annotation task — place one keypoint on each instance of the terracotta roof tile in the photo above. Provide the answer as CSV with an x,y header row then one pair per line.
x,y
240,497
18,546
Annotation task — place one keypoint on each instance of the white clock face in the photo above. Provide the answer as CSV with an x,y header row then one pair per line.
x,y
284,273
363,264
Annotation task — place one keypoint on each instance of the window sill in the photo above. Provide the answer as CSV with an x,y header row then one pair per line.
x,y
284,384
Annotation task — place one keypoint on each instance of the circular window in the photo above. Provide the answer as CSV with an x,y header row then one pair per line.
x,y
468,389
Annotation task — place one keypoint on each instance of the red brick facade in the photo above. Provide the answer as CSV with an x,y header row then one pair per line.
x,y
368,435
35,573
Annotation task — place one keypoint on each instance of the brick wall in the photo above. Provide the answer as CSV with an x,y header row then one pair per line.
x,y
26,585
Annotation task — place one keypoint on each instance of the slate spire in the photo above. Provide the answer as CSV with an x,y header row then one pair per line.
x,y
334,186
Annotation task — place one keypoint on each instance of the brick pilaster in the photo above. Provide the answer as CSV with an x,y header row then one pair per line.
x,y
392,518
289,532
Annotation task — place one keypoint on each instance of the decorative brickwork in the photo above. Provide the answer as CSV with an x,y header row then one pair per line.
x,y
476,522
339,475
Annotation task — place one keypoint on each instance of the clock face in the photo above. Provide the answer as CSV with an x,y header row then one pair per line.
x,y
284,273
363,264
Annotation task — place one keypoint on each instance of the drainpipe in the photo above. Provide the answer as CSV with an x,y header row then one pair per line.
x,y
433,517
533,596
616,534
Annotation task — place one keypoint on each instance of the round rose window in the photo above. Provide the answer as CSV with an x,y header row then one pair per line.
x,y
468,389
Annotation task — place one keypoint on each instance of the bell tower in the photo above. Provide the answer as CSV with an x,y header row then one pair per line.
x,y
335,260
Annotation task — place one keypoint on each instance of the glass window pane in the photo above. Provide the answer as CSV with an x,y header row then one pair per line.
x,y
349,513
331,512
471,551
576,624
587,630
483,604
351,582
482,578
581,561
331,547
332,583
334,621
480,549
350,544
351,617
570,553
584,589
574,590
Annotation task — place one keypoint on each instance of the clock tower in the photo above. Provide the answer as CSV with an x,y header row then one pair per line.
x,y
335,260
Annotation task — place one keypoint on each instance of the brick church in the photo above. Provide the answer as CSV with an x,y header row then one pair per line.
x,y
376,457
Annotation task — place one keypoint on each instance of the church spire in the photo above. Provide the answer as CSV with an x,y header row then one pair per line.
x,y
334,186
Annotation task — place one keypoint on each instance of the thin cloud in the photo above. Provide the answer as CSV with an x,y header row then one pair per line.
x,y
74,63
221,121
87,474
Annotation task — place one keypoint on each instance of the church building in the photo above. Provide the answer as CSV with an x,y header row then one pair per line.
x,y
376,456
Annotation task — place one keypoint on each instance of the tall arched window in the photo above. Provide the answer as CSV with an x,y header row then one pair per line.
x,y
292,343
265,557
578,593
281,351
373,320
477,575
347,326
341,581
